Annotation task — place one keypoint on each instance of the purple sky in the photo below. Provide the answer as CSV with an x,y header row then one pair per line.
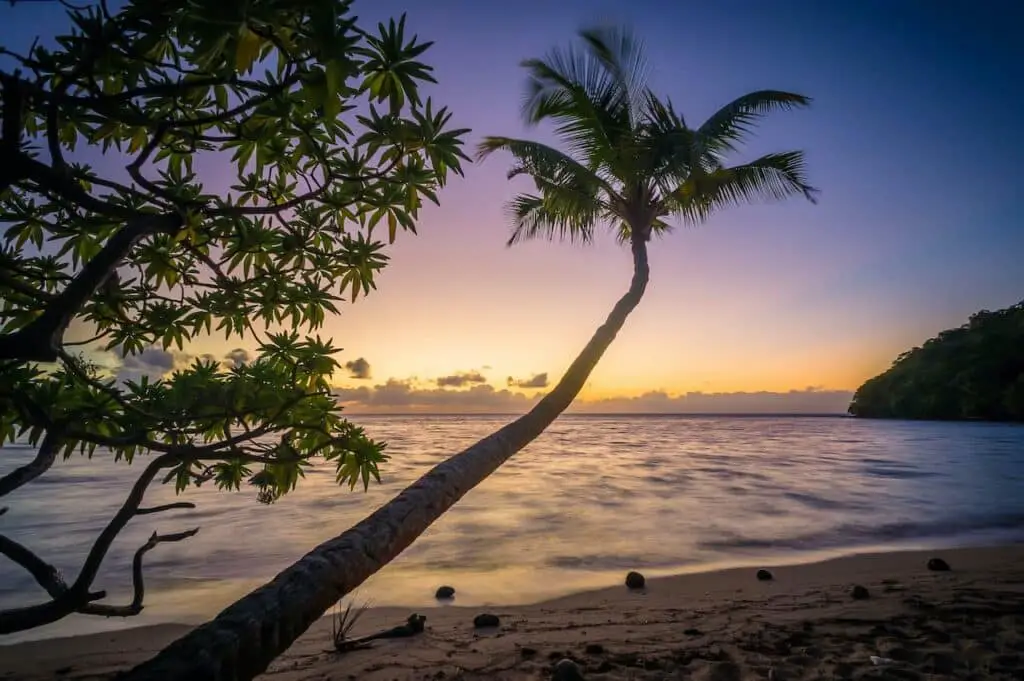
x,y
914,139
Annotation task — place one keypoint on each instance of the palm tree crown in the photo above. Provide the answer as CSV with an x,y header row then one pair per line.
x,y
632,162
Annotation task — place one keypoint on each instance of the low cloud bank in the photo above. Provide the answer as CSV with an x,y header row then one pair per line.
x,y
405,396
400,396
467,392
807,401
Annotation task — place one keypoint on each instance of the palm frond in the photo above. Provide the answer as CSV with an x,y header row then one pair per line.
x,y
583,93
623,56
771,177
571,196
729,125
536,159
670,148
630,159
554,215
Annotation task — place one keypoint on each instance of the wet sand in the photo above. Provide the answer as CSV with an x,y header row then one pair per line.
x,y
967,623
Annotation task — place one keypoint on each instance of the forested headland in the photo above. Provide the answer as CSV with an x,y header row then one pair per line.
x,y
973,372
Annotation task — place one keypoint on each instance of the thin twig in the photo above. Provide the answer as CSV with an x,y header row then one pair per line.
x,y
165,507
139,586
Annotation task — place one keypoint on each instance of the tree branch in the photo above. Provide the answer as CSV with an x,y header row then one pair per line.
x,y
135,167
76,596
11,127
66,187
53,138
165,507
113,393
23,475
139,587
18,286
45,574
87,341
236,211
48,577
41,339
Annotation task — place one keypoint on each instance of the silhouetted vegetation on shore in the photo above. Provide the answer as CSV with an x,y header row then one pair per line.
x,y
975,371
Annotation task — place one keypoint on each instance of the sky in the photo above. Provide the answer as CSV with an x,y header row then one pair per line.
x,y
914,139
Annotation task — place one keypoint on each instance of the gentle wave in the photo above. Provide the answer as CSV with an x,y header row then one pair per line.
x,y
591,498
853,535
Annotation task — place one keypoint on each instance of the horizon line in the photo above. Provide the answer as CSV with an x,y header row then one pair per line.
x,y
766,414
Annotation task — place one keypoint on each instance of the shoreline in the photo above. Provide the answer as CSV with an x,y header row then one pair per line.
x,y
724,605
472,583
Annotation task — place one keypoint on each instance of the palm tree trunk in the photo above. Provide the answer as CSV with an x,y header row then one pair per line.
x,y
243,639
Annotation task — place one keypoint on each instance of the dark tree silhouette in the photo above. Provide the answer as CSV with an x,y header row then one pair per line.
x,y
975,372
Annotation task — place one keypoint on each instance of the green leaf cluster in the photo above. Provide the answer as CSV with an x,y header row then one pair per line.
x,y
177,170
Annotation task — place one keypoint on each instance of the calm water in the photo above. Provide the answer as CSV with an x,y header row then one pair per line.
x,y
590,499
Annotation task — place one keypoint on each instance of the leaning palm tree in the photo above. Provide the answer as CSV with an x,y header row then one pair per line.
x,y
631,162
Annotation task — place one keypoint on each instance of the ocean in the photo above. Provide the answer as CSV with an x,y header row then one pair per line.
x,y
592,498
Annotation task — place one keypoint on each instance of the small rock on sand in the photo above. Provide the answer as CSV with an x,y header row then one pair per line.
x,y
594,649
764,576
859,593
445,593
635,580
486,621
566,670
938,565
725,671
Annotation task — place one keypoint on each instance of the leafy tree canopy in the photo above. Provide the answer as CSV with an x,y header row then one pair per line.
x,y
174,170
975,371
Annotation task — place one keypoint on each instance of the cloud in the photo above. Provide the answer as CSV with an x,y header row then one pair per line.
x,y
397,395
358,368
811,400
460,379
535,381
238,357
153,362
403,396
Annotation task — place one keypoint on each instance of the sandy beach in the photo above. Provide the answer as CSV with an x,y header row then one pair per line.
x,y
967,623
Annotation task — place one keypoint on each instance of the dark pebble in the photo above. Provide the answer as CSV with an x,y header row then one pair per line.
x,y
938,565
764,576
860,593
445,593
725,671
594,649
527,652
941,663
486,621
566,670
692,632
635,580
